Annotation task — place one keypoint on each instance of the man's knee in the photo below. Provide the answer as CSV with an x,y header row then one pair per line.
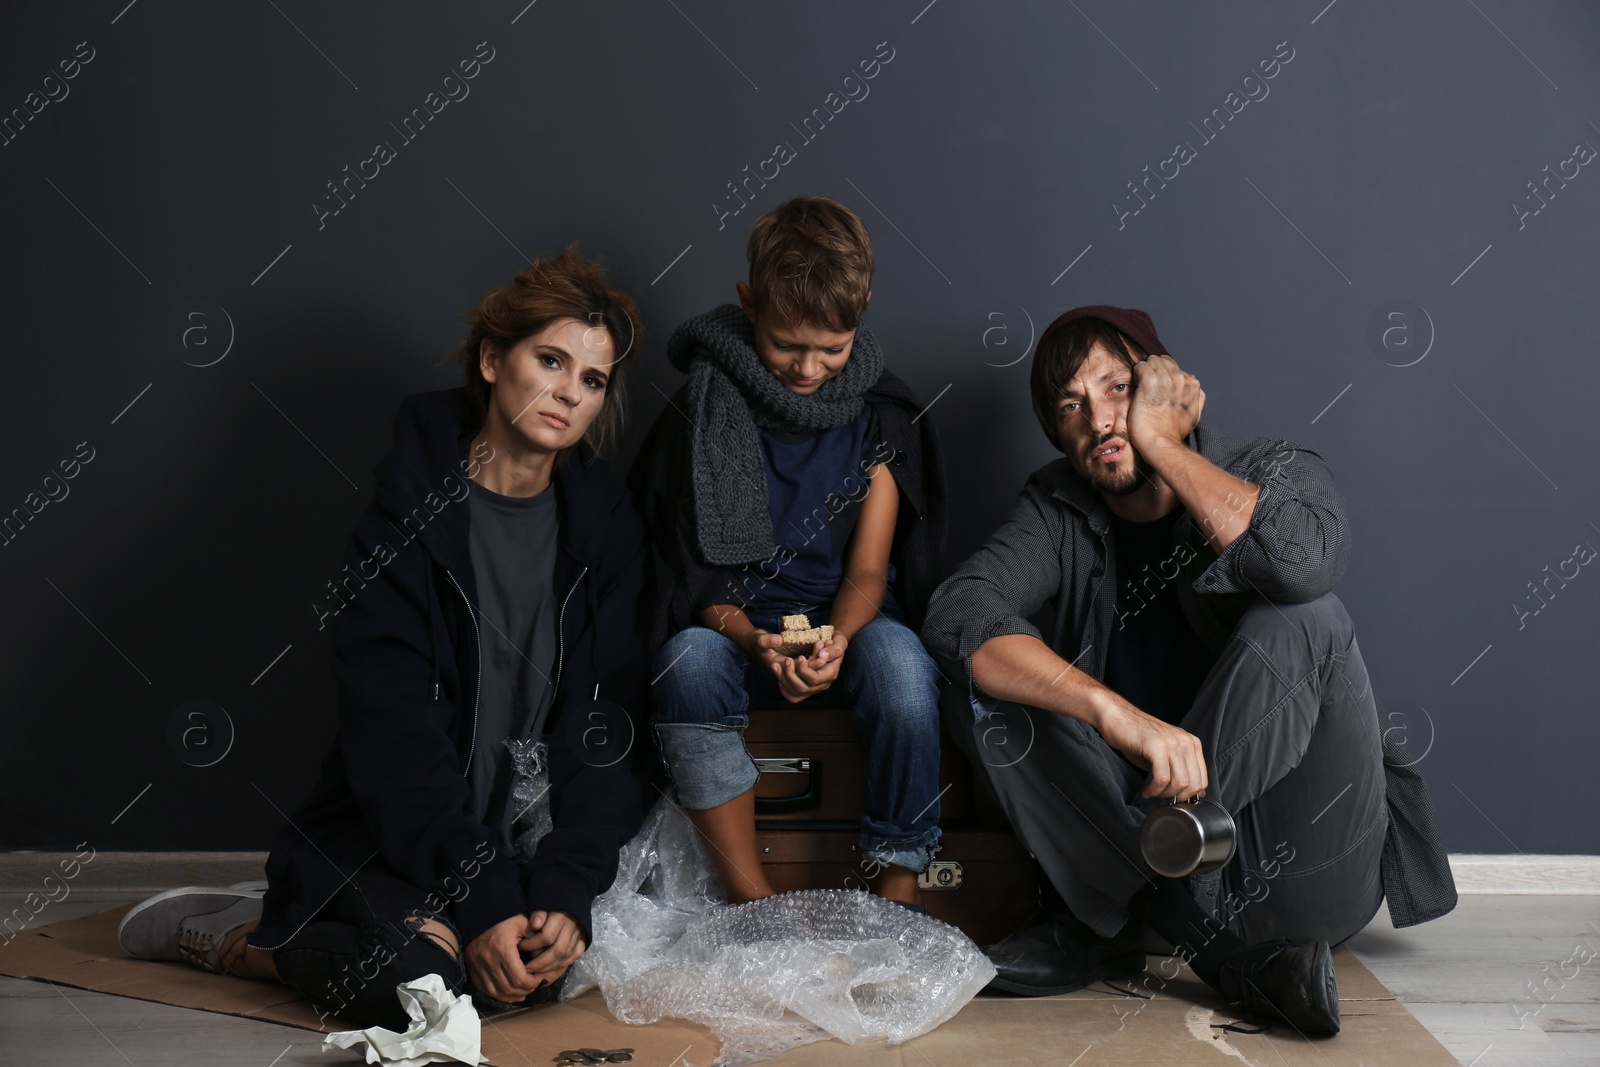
x,y
1323,621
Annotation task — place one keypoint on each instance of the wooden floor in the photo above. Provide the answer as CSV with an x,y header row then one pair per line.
x,y
1504,981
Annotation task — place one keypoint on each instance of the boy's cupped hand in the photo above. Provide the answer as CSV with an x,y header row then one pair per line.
x,y
799,677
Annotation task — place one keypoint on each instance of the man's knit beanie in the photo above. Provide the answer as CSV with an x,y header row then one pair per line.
x,y
1132,322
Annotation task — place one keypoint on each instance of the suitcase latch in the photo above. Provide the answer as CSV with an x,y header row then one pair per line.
x,y
941,874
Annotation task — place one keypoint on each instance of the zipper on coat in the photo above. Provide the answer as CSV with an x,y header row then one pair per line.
x,y
477,689
561,634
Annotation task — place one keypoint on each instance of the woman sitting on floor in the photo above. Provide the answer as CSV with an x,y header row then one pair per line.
x,y
501,599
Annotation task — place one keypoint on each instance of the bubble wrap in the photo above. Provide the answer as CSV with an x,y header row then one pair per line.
x,y
530,796
773,974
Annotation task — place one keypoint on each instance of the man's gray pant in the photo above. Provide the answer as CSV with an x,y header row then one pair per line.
x,y
1291,738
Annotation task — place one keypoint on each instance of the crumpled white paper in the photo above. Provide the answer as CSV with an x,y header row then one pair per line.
x,y
444,1029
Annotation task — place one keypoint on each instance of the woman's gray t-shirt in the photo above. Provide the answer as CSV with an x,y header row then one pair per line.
x,y
512,541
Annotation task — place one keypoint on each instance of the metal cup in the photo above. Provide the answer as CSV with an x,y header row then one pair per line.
x,y
1196,837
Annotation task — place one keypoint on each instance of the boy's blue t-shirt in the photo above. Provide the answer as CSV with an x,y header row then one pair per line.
x,y
805,474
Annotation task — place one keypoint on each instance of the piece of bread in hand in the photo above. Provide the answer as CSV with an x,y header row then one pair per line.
x,y
799,636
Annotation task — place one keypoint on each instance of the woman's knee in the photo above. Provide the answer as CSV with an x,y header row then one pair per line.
x,y
424,954
433,948
376,1003
359,986
441,935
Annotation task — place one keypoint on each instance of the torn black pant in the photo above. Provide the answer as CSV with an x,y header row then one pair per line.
x,y
1292,745
348,959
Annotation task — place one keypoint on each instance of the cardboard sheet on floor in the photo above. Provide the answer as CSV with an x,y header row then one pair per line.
x,y
1097,1026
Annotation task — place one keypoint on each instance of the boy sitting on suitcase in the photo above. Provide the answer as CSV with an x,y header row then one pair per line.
x,y
795,476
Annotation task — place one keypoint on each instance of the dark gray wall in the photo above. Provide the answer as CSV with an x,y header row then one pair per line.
x,y
163,209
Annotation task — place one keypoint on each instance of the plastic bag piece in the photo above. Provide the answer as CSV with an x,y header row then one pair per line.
x,y
530,796
773,974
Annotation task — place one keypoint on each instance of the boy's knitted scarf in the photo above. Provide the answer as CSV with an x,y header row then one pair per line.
x,y
731,393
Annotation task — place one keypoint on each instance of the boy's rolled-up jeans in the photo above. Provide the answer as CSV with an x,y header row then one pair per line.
x,y
703,689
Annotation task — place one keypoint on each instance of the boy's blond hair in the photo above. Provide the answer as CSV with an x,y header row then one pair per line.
x,y
811,264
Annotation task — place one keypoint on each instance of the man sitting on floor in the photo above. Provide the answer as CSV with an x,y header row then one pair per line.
x,y
1198,650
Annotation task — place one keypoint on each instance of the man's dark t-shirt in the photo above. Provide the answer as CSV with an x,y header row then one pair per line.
x,y
1155,661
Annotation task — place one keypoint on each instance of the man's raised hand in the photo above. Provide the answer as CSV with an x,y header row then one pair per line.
x,y
1166,404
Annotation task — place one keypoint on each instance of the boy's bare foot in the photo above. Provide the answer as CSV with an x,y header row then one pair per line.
x,y
745,898
729,831
898,884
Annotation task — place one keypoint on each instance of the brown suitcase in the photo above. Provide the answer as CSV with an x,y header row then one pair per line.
x,y
981,881
811,772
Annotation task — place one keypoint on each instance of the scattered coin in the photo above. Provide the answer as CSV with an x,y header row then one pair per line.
x,y
588,1057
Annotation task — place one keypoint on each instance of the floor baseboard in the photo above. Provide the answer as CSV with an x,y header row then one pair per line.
x,y
152,871
125,871
1544,874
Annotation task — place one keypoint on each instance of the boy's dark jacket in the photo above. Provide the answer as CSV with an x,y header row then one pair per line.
x,y
661,481
406,657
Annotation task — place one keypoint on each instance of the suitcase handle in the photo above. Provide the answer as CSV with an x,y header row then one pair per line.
x,y
811,798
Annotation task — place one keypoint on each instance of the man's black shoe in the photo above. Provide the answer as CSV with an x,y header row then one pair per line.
x,y
1056,953
1278,980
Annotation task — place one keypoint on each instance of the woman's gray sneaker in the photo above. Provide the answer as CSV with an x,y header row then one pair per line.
x,y
187,924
